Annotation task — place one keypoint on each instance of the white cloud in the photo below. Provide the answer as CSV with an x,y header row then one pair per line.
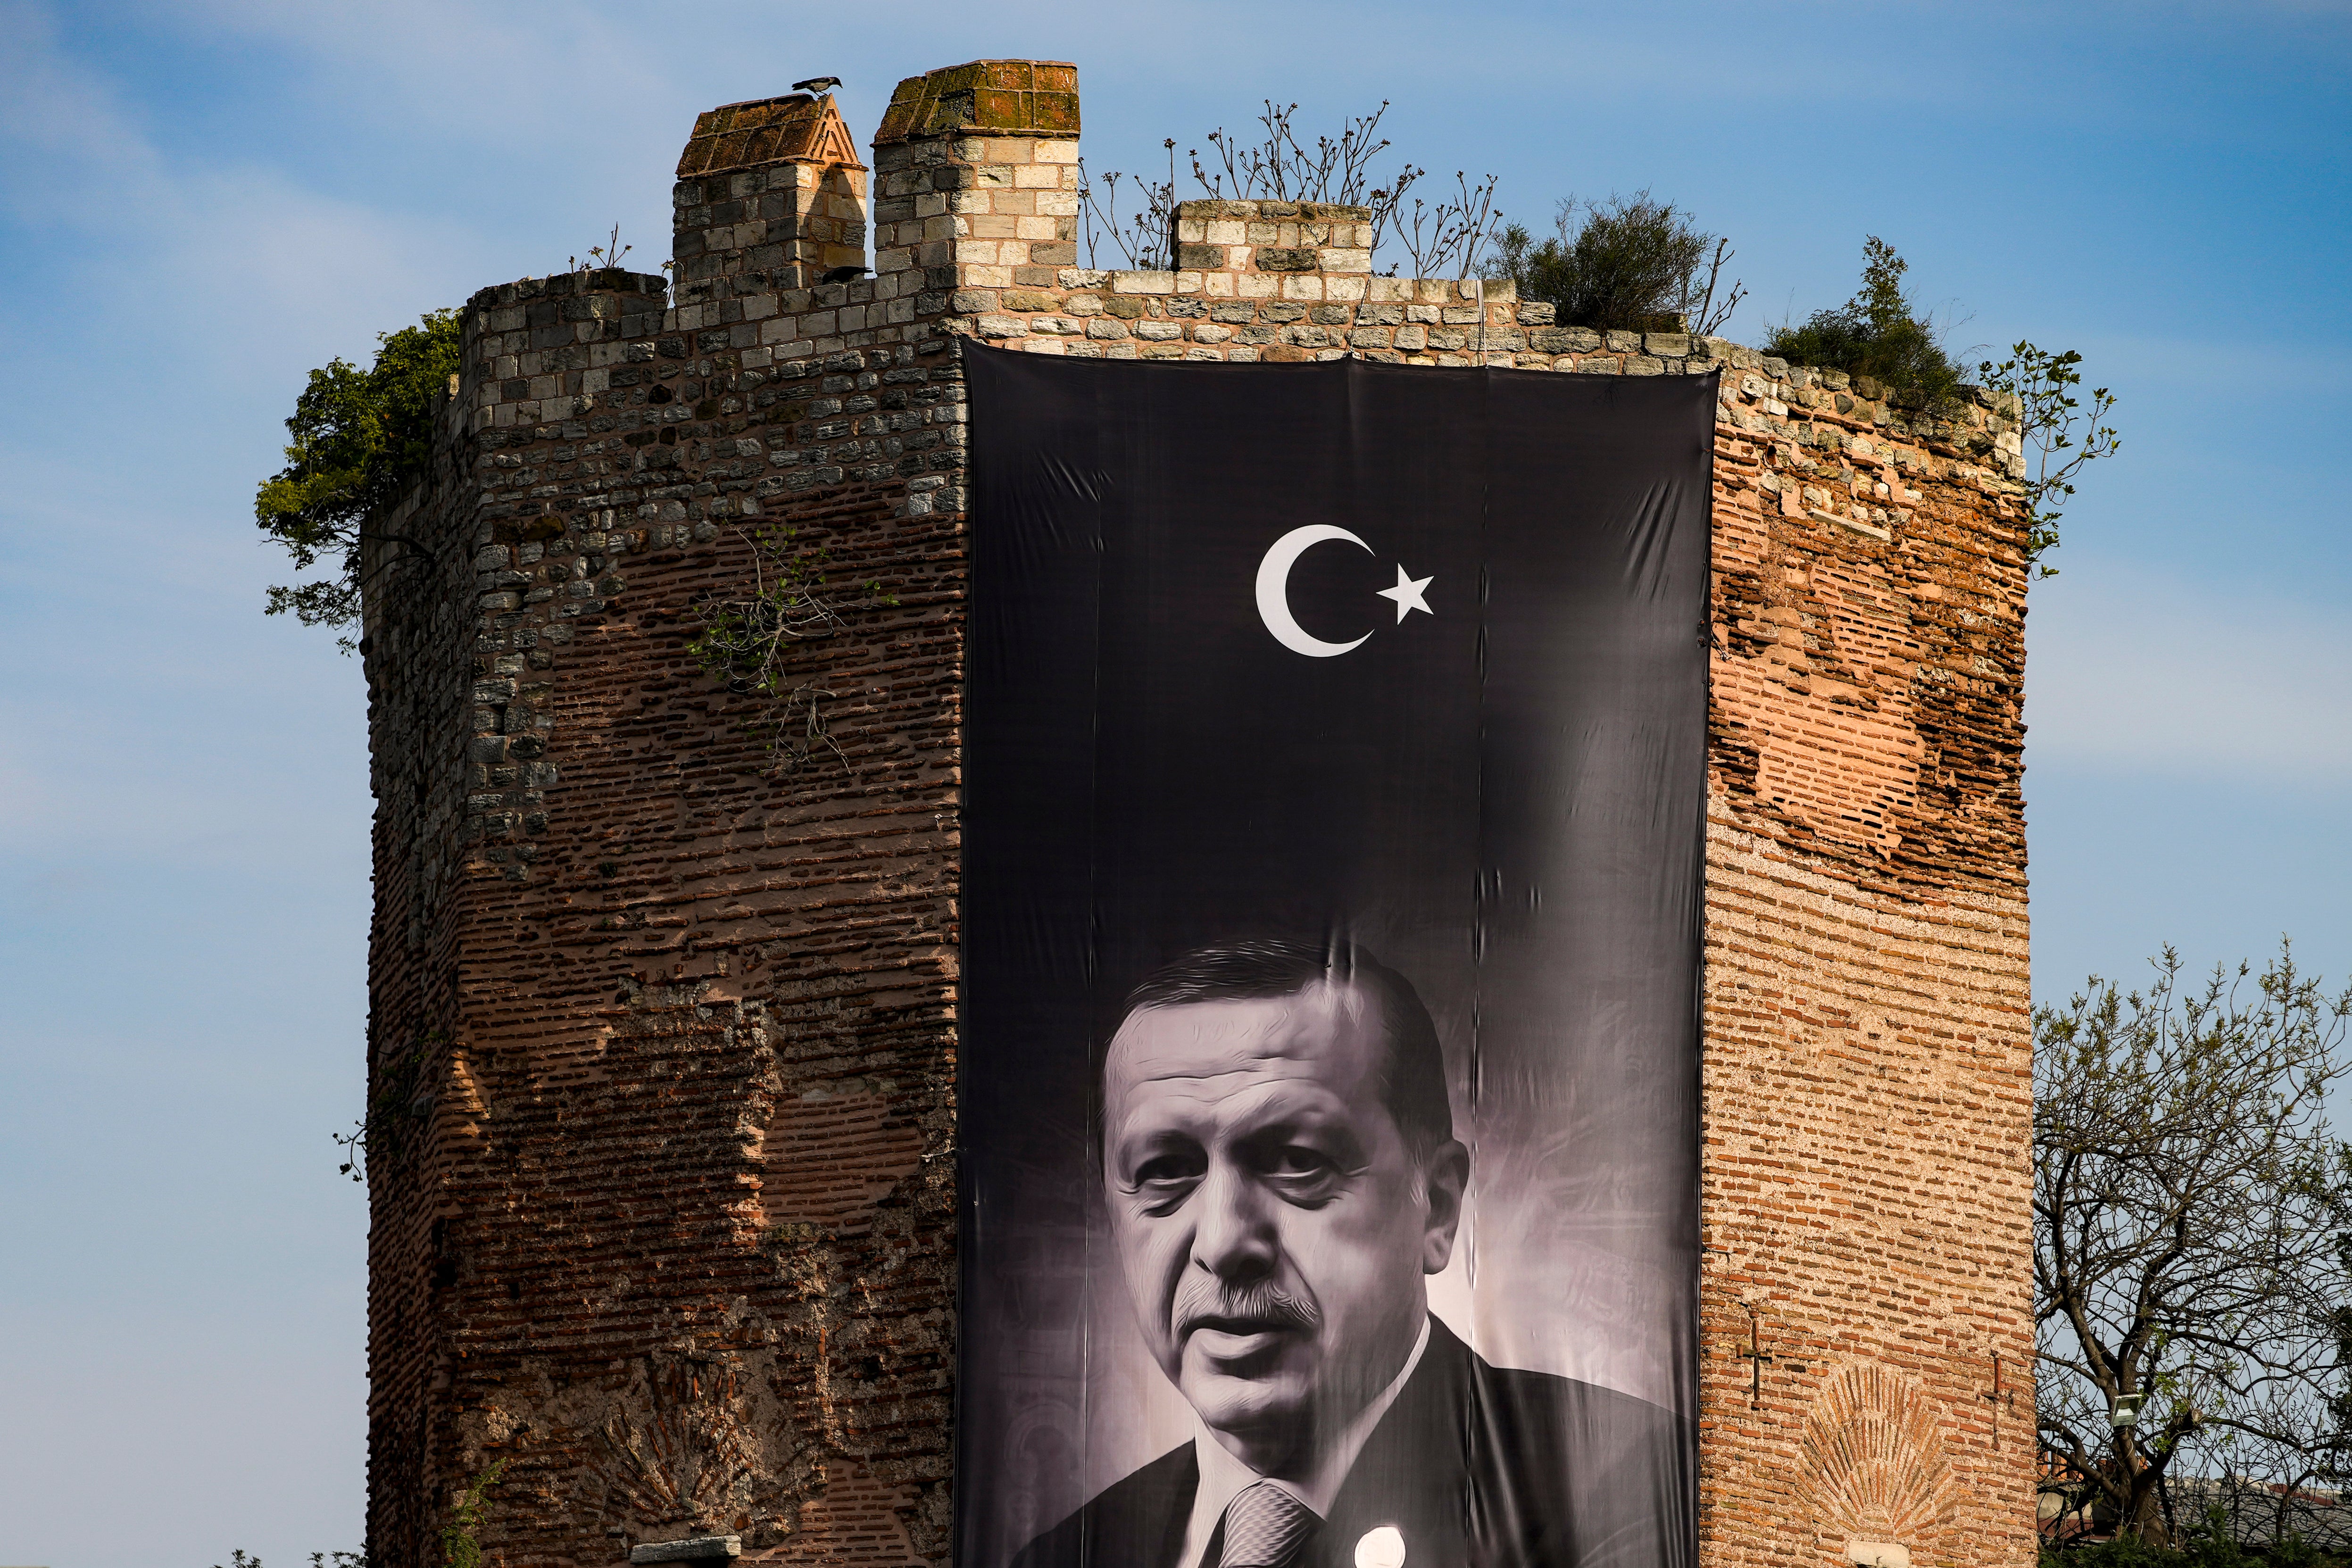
x,y
2139,669
2146,361
152,708
237,263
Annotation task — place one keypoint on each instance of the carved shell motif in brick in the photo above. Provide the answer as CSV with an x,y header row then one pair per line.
x,y
690,1446
1872,1469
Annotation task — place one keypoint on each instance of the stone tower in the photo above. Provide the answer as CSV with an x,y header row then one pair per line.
x,y
663,1028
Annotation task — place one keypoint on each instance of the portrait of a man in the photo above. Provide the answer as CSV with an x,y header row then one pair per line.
x,y
1278,1162
1328,977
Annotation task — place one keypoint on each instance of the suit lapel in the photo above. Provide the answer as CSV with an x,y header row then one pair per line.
x,y
1412,1474
1138,1522
1175,1479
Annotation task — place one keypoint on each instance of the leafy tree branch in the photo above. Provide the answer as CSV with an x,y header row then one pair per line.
x,y
382,1134
461,1546
361,438
2061,434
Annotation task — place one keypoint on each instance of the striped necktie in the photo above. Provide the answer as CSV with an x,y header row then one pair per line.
x,y
1264,1527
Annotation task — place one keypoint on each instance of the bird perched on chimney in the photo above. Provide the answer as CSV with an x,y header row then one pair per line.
x,y
844,274
817,84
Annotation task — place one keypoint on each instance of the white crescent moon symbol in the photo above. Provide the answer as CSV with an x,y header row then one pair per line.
x,y
1274,589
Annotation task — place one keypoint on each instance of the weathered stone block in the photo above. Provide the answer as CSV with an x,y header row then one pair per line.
x,y
1277,259
1018,98
1564,339
692,1549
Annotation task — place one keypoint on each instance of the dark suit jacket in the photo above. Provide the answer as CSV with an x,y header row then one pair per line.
x,y
1477,1467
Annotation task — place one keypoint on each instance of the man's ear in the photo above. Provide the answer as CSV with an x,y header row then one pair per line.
x,y
1446,1174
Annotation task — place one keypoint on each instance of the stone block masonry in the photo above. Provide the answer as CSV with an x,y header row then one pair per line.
x,y
769,194
662,1042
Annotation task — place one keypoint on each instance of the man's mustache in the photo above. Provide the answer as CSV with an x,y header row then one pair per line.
x,y
1260,1306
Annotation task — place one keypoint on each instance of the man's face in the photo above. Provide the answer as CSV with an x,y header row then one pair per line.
x,y
1273,1227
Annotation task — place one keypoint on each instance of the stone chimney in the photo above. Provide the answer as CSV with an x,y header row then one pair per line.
x,y
977,180
769,194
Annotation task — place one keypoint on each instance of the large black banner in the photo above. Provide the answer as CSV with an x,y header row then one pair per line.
x,y
1335,762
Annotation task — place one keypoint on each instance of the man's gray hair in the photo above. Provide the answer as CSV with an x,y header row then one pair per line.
x,y
1412,1072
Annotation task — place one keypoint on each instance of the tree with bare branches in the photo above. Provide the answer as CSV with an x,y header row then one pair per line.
x,y
2191,1209
1443,238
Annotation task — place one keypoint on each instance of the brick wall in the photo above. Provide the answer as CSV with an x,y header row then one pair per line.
x,y
662,1028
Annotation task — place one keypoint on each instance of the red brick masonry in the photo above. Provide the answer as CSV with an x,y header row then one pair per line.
x,y
662,1043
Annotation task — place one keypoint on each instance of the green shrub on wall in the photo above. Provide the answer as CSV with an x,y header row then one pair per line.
x,y
1878,333
360,439
1633,263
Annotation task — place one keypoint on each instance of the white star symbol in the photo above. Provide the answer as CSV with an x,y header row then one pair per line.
x,y
1408,594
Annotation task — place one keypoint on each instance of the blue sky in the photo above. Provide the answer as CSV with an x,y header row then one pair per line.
x,y
199,203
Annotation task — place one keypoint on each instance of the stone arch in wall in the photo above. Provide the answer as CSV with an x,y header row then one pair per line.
x,y
1872,1470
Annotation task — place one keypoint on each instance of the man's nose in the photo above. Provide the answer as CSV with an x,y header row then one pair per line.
x,y
1233,1236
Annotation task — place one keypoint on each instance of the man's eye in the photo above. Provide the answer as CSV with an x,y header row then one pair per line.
x,y
1167,1171
1302,1175
1295,1160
